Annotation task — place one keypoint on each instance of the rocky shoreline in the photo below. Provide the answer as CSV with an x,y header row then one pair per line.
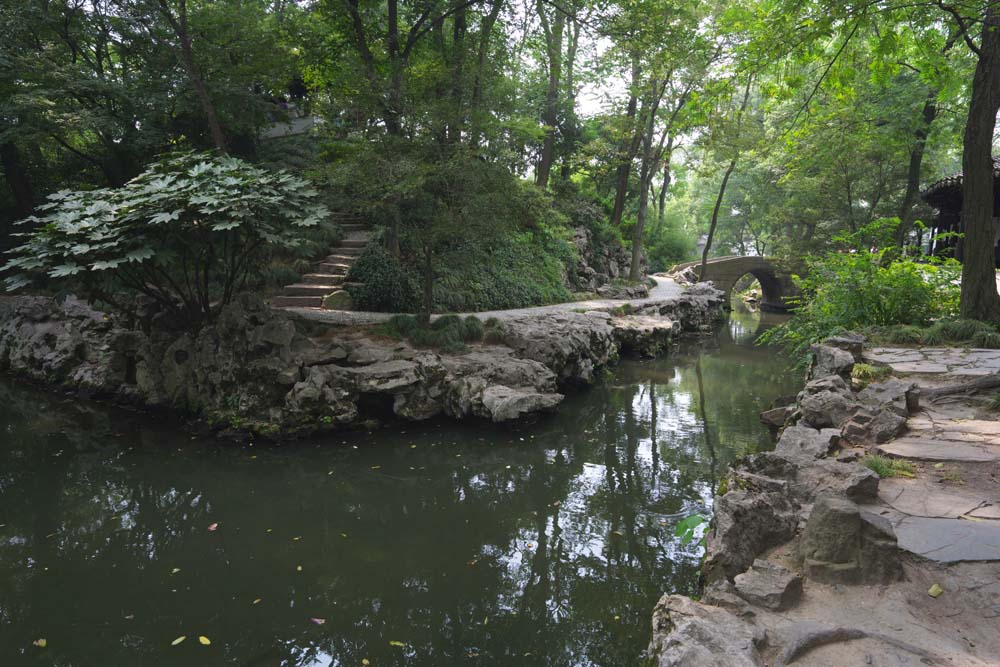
x,y
807,563
260,371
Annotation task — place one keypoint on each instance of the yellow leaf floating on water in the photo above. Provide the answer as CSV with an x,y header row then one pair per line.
x,y
396,642
178,640
203,640
212,527
365,662
935,591
175,570
298,568
40,643
257,601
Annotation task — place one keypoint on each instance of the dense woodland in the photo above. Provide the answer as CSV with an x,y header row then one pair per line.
x,y
477,134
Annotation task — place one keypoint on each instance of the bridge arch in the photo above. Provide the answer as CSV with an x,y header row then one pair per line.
x,y
724,272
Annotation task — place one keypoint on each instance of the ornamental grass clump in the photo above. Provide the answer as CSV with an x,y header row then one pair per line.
x,y
188,233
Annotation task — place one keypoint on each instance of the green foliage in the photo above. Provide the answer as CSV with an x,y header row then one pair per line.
x,y
887,467
187,233
857,290
447,333
687,528
385,285
669,247
869,373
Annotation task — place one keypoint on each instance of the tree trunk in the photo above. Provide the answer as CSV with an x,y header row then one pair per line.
x,y
428,300
625,167
980,300
927,115
17,179
180,27
553,46
715,218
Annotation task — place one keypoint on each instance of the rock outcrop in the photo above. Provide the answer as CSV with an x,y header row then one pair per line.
x,y
792,516
599,264
256,370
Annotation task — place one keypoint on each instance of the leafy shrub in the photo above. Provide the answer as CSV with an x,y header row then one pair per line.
x,y
385,285
858,290
188,233
901,334
671,246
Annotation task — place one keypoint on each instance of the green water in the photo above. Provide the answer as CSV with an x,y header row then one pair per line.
x,y
439,544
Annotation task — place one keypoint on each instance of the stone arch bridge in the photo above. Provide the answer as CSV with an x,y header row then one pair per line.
x,y
775,284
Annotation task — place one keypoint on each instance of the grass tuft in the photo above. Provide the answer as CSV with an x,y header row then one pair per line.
x,y
884,466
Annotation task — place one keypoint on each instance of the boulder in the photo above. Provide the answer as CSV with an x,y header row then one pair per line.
x,y
767,584
755,514
689,634
507,403
776,417
804,444
829,360
826,402
899,396
842,545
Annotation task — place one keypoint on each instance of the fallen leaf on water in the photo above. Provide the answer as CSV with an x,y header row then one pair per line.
x,y
970,518
318,621
343,534
178,640
935,591
396,642
40,643
364,661
296,538
203,640
376,467
617,533
175,570
212,527
257,601
298,568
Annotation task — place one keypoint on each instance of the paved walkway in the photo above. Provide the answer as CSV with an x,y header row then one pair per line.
x,y
666,288
949,511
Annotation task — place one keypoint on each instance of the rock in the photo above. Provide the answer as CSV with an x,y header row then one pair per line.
x,y
776,417
769,585
802,443
642,335
849,342
639,291
833,477
755,514
506,403
689,634
826,402
842,546
899,396
829,360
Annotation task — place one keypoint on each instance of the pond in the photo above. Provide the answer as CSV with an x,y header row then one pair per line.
x,y
438,544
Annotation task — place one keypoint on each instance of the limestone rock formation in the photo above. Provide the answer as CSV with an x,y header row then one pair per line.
x,y
688,634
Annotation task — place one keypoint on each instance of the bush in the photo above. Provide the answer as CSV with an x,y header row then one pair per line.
x,y
449,333
385,285
188,233
859,290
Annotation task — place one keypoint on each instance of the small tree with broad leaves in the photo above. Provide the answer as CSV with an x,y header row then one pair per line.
x,y
186,233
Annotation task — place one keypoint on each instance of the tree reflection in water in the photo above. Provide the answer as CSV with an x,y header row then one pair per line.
x,y
544,545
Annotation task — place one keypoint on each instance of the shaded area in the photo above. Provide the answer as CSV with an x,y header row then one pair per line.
x,y
545,545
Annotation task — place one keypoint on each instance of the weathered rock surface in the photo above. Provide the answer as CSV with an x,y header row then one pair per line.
x,y
842,545
827,402
830,360
688,634
599,264
257,370
804,444
769,585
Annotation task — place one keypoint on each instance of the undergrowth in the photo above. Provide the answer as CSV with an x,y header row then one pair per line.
x,y
448,333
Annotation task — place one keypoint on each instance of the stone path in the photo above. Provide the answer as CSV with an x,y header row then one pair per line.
x,y
666,289
937,360
950,510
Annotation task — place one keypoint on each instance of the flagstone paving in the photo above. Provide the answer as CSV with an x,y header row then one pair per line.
x,y
949,511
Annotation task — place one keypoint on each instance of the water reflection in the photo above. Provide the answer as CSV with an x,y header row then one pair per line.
x,y
545,545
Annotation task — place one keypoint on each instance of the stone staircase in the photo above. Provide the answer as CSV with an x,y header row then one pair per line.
x,y
327,284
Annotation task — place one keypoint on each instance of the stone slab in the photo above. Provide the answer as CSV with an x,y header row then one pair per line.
x,y
920,497
940,450
949,540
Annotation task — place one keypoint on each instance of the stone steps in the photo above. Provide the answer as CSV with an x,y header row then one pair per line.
x,y
322,278
327,284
